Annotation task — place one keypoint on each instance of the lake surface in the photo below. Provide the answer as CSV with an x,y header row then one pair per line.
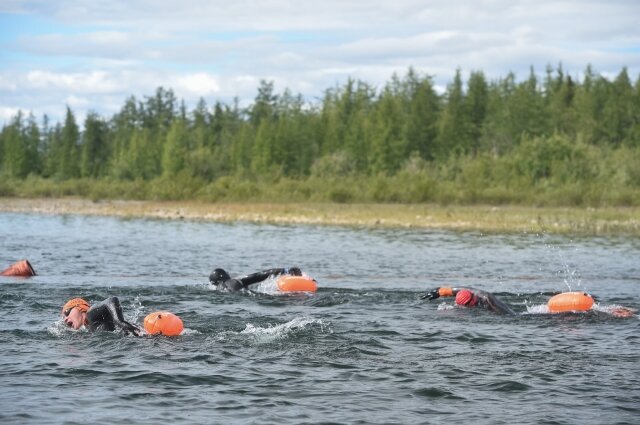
x,y
363,349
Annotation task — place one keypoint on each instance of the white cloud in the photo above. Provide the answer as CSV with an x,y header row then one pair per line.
x,y
6,113
199,84
89,82
94,55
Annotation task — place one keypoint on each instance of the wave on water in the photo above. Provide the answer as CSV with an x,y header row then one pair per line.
x,y
272,333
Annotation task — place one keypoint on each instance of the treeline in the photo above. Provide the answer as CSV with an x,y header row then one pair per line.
x,y
551,140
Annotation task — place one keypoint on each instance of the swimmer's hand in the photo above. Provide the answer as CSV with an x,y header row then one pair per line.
x,y
129,328
294,271
430,295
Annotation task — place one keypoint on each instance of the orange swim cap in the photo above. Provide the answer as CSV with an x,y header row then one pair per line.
x,y
78,303
466,297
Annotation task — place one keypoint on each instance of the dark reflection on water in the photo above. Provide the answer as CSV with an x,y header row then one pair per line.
x,y
364,349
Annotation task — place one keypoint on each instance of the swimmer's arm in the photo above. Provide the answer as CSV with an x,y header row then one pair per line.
x,y
100,317
443,291
250,279
113,304
496,305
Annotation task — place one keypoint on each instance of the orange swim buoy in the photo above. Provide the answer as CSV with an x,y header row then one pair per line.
x,y
163,322
570,301
21,268
296,284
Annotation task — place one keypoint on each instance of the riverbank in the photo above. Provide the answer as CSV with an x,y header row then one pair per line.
x,y
591,221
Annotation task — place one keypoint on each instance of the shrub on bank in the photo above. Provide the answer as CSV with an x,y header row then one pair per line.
x,y
552,171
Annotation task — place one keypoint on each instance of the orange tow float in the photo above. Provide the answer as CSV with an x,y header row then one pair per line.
x,y
21,268
163,322
296,284
570,301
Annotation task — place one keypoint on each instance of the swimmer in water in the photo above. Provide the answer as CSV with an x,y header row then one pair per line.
x,y
105,316
22,268
470,297
221,279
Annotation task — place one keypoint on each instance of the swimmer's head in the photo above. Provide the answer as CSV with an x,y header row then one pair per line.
x,y
74,313
218,276
295,271
466,297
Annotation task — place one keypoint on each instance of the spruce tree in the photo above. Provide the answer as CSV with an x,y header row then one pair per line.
x,y
454,124
95,149
68,152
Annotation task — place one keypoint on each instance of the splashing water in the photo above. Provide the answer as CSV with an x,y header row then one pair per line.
x,y
283,330
569,273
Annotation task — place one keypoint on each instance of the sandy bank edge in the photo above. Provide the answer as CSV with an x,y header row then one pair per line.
x,y
477,218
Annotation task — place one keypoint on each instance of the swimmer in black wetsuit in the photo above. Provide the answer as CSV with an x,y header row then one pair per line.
x,y
470,297
221,279
104,316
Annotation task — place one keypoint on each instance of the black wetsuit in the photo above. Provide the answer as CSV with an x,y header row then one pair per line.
x,y
222,280
484,299
107,316
488,300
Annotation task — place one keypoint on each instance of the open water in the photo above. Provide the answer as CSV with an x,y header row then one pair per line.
x,y
363,349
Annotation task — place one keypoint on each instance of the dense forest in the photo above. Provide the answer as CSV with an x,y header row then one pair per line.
x,y
543,140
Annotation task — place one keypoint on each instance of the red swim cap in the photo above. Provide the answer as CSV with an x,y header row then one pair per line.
x,y
466,297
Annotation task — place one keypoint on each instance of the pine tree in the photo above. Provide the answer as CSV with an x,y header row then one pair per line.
x,y
331,126
264,104
53,151
422,119
159,111
15,150
476,105
175,148
123,125
585,107
242,149
633,135
454,124
389,143
142,160
95,149
526,110
263,152
617,114
68,152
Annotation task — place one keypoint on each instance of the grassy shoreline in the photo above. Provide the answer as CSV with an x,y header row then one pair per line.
x,y
484,218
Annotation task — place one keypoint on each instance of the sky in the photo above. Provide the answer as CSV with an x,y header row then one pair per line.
x,y
92,55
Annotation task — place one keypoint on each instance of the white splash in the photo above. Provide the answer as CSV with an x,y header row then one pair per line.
x,y
445,306
136,307
268,286
537,309
275,332
59,328
616,310
570,275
